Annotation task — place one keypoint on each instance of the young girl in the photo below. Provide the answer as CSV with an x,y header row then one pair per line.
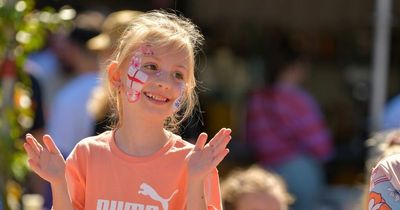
x,y
141,164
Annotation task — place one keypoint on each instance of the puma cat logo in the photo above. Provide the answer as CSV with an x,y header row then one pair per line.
x,y
147,190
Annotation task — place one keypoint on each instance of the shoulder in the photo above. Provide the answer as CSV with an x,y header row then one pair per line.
x,y
388,167
298,98
260,92
98,142
389,163
181,144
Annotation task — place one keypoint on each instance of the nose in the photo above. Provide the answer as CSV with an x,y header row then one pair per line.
x,y
163,80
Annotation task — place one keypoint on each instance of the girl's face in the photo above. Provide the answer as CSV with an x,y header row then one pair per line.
x,y
155,80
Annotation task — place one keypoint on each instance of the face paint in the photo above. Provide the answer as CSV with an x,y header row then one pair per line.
x,y
177,103
140,73
135,78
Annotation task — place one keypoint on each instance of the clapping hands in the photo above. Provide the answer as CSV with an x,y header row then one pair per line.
x,y
46,161
204,157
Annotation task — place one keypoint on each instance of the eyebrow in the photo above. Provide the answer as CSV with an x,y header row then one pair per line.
x,y
158,60
182,66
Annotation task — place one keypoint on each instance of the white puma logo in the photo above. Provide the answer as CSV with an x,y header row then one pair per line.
x,y
146,189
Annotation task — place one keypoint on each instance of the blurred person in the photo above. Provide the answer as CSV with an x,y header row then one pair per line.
x,y
47,68
286,129
382,186
69,119
380,145
391,114
254,188
112,27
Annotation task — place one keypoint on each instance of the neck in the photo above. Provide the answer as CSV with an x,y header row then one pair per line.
x,y
290,77
138,137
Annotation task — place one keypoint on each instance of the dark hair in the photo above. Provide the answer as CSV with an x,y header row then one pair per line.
x,y
282,54
81,35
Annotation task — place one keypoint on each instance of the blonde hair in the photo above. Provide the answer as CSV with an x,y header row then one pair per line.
x,y
253,180
160,28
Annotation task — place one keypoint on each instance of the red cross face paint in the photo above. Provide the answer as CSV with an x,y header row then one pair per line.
x,y
159,74
135,77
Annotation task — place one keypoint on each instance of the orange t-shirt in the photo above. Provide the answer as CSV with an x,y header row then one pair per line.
x,y
101,177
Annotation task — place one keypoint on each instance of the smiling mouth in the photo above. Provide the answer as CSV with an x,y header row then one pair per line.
x,y
157,98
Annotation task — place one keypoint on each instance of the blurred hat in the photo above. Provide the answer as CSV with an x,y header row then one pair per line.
x,y
113,26
86,26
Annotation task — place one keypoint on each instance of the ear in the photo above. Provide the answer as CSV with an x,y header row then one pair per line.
x,y
113,74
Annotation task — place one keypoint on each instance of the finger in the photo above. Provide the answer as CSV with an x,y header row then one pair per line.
x,y
36,142
223,141
29,150
222,144
33,143
201,141
217,136
218,158
50,145
221,147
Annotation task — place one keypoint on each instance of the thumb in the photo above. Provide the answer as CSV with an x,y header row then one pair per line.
x,y
50,145
201,141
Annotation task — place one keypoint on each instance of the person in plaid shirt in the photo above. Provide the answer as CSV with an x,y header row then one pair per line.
x,y
286,129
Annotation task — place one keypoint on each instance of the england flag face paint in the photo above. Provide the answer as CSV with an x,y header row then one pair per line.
x,y
135,77
146,69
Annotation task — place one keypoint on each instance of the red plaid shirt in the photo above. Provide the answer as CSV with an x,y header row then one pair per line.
x,y
283,122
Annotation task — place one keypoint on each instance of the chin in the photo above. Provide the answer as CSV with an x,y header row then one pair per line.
x,y
161,114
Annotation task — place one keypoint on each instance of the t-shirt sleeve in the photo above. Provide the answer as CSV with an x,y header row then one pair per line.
x,y
212,190
76,178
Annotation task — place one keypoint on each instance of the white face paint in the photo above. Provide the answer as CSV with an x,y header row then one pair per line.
x,y
135,77
145,68
177,103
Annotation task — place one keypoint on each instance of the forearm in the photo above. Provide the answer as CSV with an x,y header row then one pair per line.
x,y
196,197
61,198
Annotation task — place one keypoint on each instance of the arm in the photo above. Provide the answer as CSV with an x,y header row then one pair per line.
x,y
49,164
202,160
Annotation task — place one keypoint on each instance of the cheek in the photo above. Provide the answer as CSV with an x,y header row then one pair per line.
x,y
181,91
135,79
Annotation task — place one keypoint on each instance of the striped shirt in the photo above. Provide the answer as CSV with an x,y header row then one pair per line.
x,y
283,122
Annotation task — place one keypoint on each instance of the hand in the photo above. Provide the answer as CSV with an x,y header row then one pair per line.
x,y
203,158
47,162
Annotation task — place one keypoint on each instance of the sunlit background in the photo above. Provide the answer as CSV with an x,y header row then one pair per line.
x,y
339,37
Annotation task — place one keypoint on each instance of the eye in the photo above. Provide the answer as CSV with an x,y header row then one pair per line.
x,y
178,75
150,67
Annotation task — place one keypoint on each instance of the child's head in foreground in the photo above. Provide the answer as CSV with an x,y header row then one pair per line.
x,y
254,189
154,64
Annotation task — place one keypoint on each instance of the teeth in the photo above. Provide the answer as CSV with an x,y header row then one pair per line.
x,y
157,98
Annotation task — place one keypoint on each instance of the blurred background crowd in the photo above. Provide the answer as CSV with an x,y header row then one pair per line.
x,y
293,79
